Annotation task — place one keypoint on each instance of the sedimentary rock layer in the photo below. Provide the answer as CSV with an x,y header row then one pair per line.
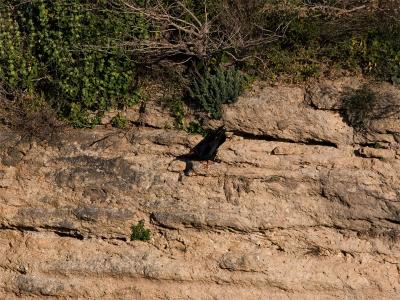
x,y
298,206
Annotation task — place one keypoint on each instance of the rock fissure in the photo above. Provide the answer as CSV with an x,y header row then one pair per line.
x,y
59,231
271,138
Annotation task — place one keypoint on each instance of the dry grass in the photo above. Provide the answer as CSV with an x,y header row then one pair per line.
x,y
30,116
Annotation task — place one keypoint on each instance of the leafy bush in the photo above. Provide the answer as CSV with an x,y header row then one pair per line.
x,y
176,107
377,53
18,65
139,232
67,50
214,89
321,38
359,107
196,128
119,121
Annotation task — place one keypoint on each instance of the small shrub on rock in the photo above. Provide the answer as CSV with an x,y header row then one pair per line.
x,y
359,108
139,233
212,90
119,121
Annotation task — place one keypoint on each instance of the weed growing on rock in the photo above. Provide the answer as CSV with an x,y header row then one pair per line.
x,y
213,89
177,109
139,233
196,128
358,108
119,121
363,106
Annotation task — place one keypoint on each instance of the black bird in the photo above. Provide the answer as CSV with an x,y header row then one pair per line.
x,y
206,149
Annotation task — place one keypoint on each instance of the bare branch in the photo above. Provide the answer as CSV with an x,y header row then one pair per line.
x,y
180,32
190,13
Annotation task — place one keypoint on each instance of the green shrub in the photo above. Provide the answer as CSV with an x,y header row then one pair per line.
x,y
119,121
377,53
196,128
139,232
359,108
212,90
176,107
68,49
318,40
18,65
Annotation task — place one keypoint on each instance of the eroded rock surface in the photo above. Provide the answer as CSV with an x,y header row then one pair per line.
x,y
299,206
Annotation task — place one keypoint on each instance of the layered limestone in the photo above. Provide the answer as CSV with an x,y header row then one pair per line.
x,y
299,205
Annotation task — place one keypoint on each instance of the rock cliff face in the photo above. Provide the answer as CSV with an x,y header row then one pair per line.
x,y
299,206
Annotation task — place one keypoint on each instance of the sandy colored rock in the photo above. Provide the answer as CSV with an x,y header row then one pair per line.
x,y
151,113
295,211
282,113
328,94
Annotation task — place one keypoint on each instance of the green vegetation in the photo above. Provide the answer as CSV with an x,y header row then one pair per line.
x,y
211,90
84,57
362,106
66,50
359,107
139,232
196,128
329,35
177,109
119,121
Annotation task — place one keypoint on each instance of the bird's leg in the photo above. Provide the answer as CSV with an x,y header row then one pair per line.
x,y
207,164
